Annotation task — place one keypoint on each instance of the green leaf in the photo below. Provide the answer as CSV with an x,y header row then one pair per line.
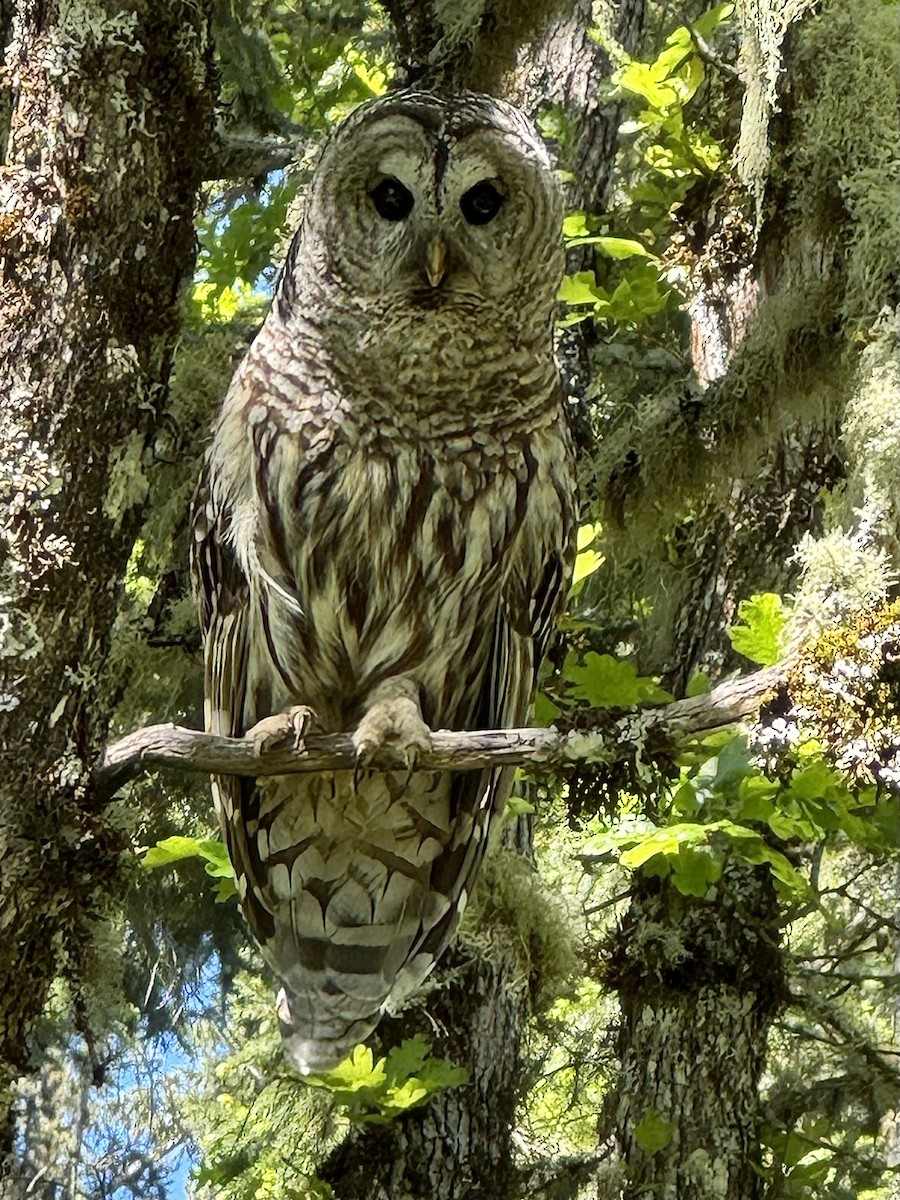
x,y
374,1092
359,1070
218,303
519,807
575,225
667,841
811,1173
654,1132
573,318
641,80
670,161
170,850
711,20
755,851
586,563
814,781
695,870
698,684
640,293
607,682
587,560
705,149
443,1074
225,889
586,535
684,802
733,765
761,622
755,797
545,711
580,288
408,1095
407,1059
218,865
614,247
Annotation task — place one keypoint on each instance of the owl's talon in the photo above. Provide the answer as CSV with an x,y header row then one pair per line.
x,y
392,731
290,725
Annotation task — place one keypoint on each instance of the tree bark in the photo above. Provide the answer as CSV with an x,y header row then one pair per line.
x,y
458,1148
699,983
108,108
6,15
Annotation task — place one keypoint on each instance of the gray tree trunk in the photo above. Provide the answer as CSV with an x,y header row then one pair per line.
x,y
699,983
109,105
458,1147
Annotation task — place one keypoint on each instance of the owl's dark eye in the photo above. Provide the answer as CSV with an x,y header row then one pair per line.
x,y
392,200
481,203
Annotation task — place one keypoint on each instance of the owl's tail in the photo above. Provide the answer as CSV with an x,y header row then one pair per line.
x,y
314,1041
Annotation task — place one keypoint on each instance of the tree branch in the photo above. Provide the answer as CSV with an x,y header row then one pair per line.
x,y
614,738
560,1178
247,154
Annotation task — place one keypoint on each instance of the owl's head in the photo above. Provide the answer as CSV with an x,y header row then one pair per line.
x,y
423,202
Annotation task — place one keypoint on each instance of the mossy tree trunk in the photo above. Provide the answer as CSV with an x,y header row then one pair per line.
x,y
699,982
109,109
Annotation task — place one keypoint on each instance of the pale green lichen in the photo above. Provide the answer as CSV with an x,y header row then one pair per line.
x,y
871,430
845,152
83,27
128,485
512,914
854,564
764,24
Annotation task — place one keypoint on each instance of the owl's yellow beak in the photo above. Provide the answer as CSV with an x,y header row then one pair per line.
x,y
436,261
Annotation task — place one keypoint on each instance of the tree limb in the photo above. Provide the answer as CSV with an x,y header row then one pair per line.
x,y
613,738
247,154
560,1178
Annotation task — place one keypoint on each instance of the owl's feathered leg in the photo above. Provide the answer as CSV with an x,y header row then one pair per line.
x,y
393,727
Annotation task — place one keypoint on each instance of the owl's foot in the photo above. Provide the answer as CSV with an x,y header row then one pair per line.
x,y
393,732
287,726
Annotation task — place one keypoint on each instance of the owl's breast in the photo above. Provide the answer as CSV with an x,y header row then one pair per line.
x,y
397,557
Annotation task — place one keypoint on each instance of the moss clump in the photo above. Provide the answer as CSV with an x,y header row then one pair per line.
x,y
511,912
846,694
844,155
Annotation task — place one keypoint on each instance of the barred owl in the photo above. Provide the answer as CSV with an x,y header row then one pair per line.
x,y
382,538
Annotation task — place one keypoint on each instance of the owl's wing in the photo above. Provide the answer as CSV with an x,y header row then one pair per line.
x,y
222,595
522,631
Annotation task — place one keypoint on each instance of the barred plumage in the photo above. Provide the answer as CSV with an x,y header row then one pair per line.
x,y
382,534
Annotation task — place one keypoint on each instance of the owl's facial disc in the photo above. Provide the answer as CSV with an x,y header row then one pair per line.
x,y
439,207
